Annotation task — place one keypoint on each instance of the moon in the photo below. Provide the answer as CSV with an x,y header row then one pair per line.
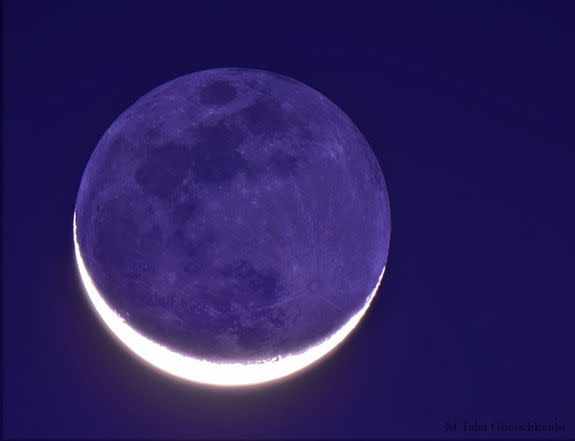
x,y
232,227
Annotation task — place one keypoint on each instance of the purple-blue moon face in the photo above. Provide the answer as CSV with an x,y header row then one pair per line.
x,y
234,215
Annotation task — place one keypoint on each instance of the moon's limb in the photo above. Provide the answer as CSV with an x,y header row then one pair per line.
x,y
201,370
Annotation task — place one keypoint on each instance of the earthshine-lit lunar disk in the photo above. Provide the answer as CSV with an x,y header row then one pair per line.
x,y
232,226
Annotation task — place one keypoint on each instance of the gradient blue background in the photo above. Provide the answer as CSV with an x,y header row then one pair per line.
x,y
469,107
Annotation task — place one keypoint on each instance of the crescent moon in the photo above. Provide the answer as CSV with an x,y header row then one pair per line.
x,y
205,371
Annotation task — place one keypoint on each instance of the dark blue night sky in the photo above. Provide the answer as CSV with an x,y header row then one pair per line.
x,y
469,109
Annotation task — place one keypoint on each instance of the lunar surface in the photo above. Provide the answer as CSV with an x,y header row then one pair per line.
x,y
232,226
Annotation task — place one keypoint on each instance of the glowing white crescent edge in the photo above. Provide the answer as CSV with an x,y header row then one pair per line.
x,y
205,371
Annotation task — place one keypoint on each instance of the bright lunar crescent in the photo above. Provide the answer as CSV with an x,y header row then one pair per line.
x,y
232,226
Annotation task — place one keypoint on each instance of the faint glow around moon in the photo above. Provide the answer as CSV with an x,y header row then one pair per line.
x,y
205,371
